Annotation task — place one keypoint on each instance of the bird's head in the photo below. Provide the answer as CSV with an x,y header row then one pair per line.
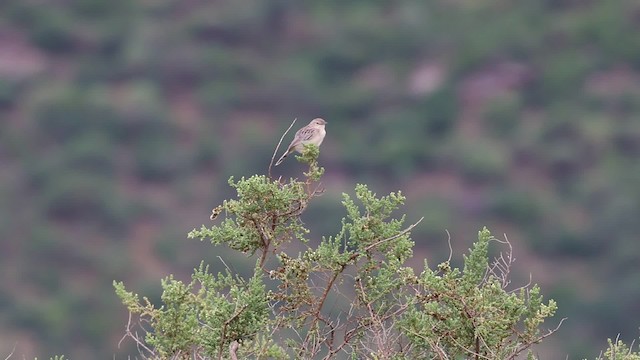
x,y
318,122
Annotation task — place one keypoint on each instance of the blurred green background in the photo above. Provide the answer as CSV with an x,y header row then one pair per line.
x,y
121,121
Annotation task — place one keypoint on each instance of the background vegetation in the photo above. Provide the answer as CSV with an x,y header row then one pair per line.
x,y
121,121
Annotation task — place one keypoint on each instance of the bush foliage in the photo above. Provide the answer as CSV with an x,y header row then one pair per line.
x,y
349,295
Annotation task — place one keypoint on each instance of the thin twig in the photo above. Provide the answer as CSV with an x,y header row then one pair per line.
x,y
537,340
380,334
323,298
232,271
136,339
501,266
394,236
275,152
11,353
450,247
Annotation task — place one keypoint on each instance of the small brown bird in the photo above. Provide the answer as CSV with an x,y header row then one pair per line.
x,y
311,134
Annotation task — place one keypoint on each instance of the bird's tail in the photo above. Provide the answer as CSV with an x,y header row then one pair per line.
x,y
282,158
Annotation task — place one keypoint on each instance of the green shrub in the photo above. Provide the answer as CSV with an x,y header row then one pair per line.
x,y
351,294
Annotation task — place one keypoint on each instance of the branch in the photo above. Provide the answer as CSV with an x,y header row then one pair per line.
x,y
266,241
501,266
139,344
385,340
537,340
450,247
233,348
224,327
323,298
435,346
380,339
275,152
371,246
11,353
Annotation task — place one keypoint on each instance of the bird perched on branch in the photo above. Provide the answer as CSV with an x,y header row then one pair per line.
x,y
311,134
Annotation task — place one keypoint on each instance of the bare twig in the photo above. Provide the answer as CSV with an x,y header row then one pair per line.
x,y
319,190
229,269
139,344
275,152
467,350
323,298
371,246
501,266
536,340
525,286
379,333
385,336
11,353
450,247
434,346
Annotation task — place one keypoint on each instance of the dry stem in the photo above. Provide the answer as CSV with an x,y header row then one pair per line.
x,y
275,152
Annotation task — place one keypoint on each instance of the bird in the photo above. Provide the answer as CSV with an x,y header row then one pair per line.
x,y
311,134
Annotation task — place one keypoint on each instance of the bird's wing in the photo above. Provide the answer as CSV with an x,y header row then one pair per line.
x,y
303,135
306,133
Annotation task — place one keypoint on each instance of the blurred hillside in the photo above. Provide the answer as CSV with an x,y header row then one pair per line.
x,y
121,122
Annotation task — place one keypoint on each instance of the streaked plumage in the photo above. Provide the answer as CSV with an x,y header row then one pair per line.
x,y
311,134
